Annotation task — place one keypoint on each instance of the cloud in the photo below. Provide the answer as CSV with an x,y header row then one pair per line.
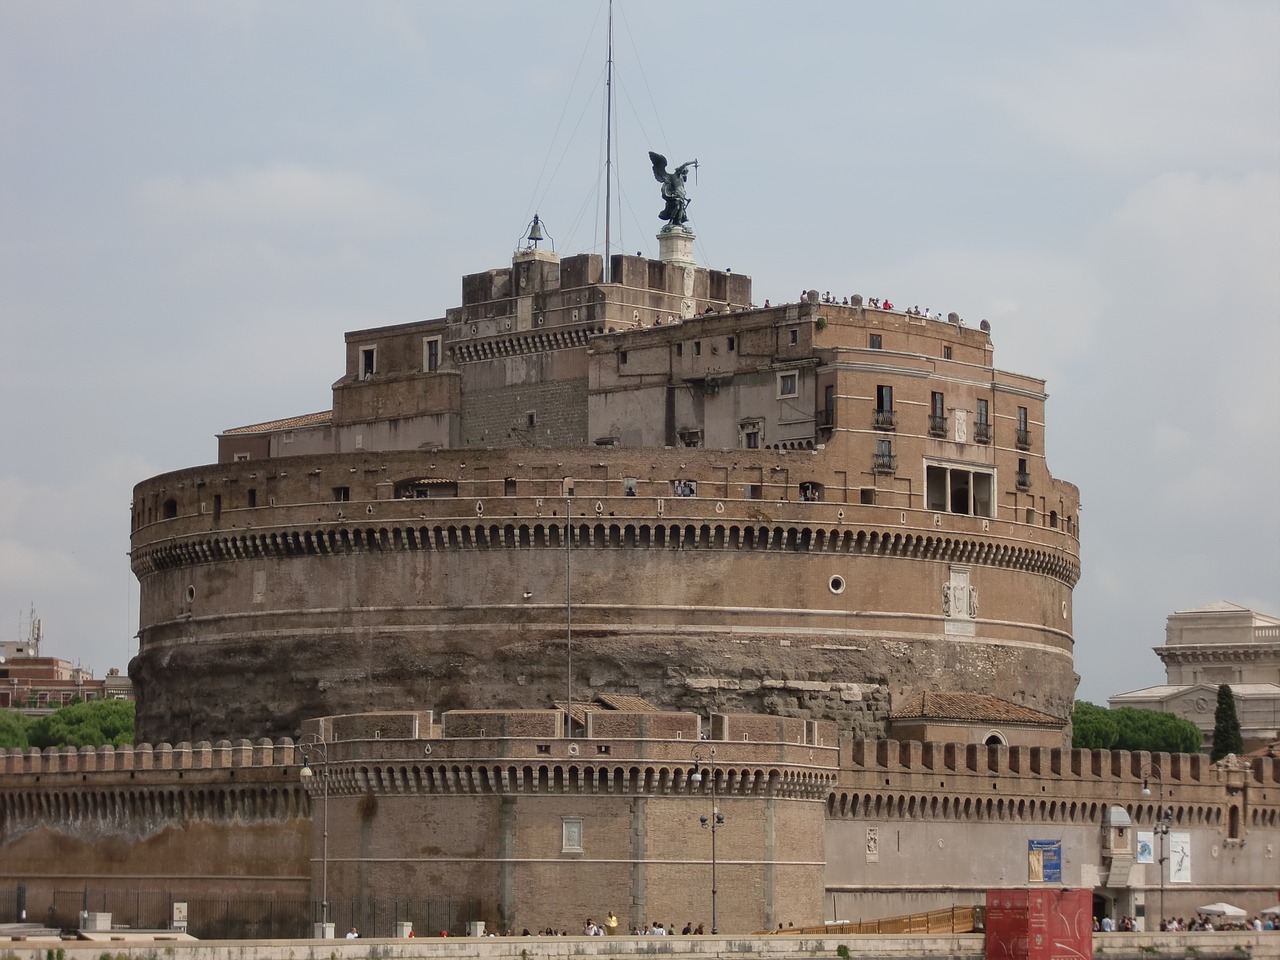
x,y
282,195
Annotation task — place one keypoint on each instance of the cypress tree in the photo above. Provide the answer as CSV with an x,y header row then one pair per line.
x,y
1226,726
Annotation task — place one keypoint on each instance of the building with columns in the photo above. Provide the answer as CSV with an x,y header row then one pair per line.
x,y
1206,647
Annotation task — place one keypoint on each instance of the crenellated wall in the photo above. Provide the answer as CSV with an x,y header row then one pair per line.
x,y
540,828
971,810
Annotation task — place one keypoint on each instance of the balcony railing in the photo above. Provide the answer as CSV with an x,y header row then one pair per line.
x,y
982,432
937,425
884,463
827,417
885,420
1024,438
1024,480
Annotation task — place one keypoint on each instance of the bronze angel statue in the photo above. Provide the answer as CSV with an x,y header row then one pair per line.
x,y
675,212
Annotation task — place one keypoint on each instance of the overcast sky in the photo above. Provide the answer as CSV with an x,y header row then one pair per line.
x,y
198,199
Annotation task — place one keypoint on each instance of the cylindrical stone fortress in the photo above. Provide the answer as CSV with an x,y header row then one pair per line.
x,y
808,510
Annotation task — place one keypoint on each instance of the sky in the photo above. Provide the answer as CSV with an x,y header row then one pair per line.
x,y
199,198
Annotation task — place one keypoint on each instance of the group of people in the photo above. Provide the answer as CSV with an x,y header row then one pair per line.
x,y
1204,922
684,488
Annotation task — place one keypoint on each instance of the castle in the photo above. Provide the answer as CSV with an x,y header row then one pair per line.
x,y
643,486
596,572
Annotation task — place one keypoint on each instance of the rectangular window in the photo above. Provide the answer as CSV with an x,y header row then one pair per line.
x,y
885,419
430,354
937,414
679,349
732,344
946,353
531,419
874,341
1024,433
867,495
622,356
240,457
341,494
884,460
795,336
1024,478
982,425
958,490
788,384
251,497
697,348
368,362
752,434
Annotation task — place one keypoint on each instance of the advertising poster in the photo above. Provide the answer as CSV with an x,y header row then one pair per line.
x,y
1146,847
1044,861
1179,858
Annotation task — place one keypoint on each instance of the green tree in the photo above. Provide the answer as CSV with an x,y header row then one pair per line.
x,y
15,729
1097,728
91,724
1092,727
1226,726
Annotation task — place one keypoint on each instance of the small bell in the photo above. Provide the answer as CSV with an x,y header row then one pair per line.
x,y
535,231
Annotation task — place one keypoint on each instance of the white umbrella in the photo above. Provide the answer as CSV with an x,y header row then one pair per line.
x,y
1221,910
1271,911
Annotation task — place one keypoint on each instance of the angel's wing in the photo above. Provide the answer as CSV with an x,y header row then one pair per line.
x,y
659,166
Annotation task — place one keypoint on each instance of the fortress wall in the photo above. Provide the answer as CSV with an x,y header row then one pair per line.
x,y
1038,763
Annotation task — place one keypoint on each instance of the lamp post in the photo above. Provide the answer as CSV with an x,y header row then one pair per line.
x,y
714,821
313,744
1164,818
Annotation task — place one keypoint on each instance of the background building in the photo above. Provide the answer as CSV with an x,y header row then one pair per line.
x,y
37,685
1211,645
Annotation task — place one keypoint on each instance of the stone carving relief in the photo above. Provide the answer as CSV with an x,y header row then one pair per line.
x,y
959,601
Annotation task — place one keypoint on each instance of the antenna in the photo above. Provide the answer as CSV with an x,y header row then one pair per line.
x,y
608,146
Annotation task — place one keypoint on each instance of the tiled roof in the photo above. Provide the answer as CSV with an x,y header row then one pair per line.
x,y
288,423
619,701
608,701
977,707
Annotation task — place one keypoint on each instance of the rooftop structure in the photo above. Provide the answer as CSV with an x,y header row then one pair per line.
x,y
1206,647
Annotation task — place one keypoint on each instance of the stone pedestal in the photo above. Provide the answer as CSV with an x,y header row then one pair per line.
x,y
675,245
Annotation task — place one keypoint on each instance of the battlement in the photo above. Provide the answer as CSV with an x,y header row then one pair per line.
x,y
222,755
1086,766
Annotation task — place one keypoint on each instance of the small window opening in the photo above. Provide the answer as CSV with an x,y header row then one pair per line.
x,y
697,348
170,508
531,418
368,362
341,494
867,496
251,497
629,486
795,335
622,356
679,349
946,353
732,344
874,341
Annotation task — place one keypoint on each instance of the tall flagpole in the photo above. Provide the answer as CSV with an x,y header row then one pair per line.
x,y
608,148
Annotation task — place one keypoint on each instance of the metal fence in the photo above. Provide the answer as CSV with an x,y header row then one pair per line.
x,y
212,918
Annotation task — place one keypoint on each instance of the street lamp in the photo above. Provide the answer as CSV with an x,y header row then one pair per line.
x,y
313,744
714,821
1164,818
